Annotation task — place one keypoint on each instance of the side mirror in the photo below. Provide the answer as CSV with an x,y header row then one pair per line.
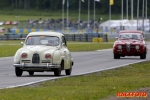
x,y
63,44
116,37
143,39
22,43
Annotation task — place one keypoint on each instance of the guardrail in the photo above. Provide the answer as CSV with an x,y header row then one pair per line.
x,y
69,37
85,37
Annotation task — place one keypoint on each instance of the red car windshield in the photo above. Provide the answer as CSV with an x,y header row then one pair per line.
x,y
135,36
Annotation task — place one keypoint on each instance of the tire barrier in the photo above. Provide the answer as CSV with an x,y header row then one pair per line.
x,y
25,31
86,37
97,40
13,37
69,37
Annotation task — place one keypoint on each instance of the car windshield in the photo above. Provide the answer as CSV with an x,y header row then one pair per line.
x,y
43,40
130,36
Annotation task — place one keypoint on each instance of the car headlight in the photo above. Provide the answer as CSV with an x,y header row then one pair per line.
x,y
48,56
137,47
119,47
24,55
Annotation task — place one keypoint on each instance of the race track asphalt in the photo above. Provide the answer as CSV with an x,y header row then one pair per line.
x,y
84,62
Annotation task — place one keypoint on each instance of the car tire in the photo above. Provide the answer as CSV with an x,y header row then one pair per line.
x,y
143,56
18,71
68,71
31,73
57,71
116,56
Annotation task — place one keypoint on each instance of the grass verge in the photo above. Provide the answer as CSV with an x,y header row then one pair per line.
x,y
56,14
9,48
88,87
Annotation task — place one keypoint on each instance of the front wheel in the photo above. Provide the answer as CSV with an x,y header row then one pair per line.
x,y
57,71
116,56
68,71
18,71
143,56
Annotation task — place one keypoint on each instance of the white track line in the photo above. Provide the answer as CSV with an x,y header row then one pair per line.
x,y
35,82
105,50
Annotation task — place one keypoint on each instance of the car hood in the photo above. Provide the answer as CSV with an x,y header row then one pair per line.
x,y
38,49
128,42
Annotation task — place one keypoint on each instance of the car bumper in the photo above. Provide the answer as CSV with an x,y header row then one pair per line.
x,y
47,66
129,53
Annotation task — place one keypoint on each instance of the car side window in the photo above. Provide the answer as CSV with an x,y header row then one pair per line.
x,y
64,41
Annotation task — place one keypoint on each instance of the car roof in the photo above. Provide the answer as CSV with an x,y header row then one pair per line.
x,y
130,31
48,33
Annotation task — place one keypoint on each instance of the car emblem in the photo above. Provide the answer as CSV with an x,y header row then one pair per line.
x,y
128,47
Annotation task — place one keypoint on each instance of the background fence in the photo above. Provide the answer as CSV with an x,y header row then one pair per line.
x,y
87,37
69,37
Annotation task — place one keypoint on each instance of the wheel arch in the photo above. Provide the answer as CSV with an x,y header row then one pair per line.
x,y
62,64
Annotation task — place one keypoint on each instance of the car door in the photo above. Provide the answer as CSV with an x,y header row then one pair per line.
x,y
65,53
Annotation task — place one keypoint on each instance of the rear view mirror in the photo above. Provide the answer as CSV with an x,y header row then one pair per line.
x,y
143,38
63,44
116,37
22,43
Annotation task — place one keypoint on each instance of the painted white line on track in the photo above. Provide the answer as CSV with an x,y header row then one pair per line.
x,y
105,50
112,67
6,57
36,82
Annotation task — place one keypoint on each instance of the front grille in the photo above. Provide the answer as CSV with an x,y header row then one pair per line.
x,y
132,48
36,58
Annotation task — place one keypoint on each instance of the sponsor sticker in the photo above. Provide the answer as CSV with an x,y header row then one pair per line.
x,y
132,94
42,36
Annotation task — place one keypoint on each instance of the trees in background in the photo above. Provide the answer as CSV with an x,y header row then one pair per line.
x,y
102,6
25,4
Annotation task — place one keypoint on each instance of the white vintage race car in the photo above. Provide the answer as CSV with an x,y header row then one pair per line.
x,y
43,51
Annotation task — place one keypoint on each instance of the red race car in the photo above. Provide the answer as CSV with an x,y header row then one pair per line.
x,y
130,43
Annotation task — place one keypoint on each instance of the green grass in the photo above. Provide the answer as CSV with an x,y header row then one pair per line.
x,y
88,87
79,46
112,40
52,14
9,48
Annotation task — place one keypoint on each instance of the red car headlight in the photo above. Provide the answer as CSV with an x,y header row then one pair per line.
x,y
24,55
137,47
48,56
119,47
